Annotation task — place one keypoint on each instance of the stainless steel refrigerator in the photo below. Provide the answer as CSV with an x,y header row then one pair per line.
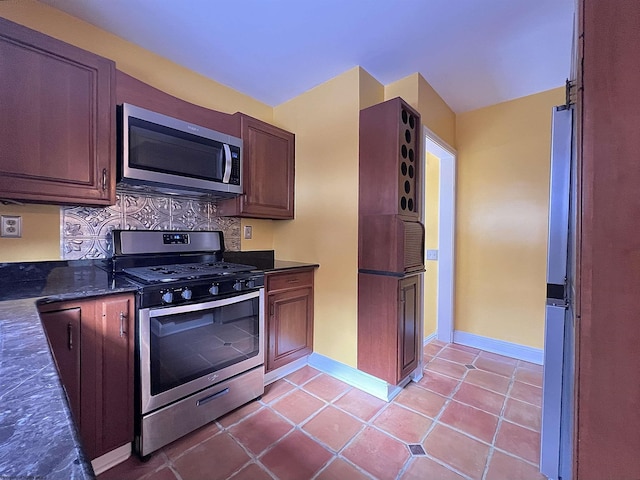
x,y
559,336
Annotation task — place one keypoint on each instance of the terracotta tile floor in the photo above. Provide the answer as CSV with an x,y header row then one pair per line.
x,y
475,414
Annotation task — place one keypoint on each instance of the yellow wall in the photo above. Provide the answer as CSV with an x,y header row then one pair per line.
x,y
40,234
132,59
432,210
502,186
326,226
502,211
262,234
435,114
41,226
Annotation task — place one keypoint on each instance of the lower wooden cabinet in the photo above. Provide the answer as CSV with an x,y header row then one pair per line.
x,y
92,342
289,298
389,329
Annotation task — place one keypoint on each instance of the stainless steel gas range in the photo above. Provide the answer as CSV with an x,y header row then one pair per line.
x,y
199,331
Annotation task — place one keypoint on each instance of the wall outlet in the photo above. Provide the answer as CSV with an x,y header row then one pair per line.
x,y
10,226
248,232
432,254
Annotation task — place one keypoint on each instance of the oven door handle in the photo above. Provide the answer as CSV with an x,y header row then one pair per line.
x,y
204,400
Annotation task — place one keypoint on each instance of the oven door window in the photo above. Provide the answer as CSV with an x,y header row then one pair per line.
x,y
189,345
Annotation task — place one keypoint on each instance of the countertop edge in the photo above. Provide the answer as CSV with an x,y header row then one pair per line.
x,y
38,437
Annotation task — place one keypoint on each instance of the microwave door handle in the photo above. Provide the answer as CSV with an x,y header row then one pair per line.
x,y
227,163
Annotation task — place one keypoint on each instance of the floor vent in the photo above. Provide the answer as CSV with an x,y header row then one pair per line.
x,y
470,367
416,449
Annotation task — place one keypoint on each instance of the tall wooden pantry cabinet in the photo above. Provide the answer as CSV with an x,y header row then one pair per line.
x,y
390,242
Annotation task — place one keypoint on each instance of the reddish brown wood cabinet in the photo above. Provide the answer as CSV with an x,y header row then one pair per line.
x,y
607,403
92,342
268,173
57,128
289,298
390,160
390,241
388,326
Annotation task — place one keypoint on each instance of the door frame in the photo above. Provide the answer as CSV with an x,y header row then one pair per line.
x,y
446,231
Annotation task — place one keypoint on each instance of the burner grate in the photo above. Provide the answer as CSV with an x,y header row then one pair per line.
x,y
166,273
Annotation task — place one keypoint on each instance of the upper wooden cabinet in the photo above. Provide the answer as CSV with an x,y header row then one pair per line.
x,y
268,173
390,160
57,125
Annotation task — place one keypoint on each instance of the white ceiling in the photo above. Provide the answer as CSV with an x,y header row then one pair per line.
x,y
474,53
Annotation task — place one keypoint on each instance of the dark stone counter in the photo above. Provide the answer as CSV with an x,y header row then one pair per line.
x,y
38,438
264,260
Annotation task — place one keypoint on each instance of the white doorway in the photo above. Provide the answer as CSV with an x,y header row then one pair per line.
x,y
441,257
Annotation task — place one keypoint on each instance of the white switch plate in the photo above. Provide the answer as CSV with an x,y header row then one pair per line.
x,y
248,232
432,254
10,226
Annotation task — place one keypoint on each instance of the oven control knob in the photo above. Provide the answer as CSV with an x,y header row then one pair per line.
x,y
237,286
251,283
215,289
186,294
167,297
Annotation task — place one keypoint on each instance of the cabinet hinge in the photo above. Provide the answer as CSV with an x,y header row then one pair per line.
x,y
569,93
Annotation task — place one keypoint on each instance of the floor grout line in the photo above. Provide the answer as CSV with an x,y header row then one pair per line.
x,y
289,387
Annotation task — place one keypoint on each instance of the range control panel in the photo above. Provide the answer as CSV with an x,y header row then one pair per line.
x,y
175,238
199,291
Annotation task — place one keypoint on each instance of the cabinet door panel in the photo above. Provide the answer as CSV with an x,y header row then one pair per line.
x,y
409,327
268,173
98,375
115,415
389,326
57,129
267,155
63,332
290,330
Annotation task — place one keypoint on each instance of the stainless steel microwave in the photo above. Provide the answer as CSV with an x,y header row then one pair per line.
x,y
174,156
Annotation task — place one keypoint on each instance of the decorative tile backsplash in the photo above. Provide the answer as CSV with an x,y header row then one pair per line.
x,y
85,231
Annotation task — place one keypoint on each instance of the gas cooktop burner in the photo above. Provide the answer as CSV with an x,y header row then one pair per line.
x,y
182,271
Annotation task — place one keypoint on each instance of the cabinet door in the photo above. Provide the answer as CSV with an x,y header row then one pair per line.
x,y
268,173
114,407
409,331
57,128
63,331
97,371
290,326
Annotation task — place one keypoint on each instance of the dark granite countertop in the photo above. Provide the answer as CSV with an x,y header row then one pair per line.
x,y
38,438
265,260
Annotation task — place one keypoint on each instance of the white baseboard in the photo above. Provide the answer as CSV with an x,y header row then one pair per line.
x,y
356,378
428,338
111,459
508,349
285,370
